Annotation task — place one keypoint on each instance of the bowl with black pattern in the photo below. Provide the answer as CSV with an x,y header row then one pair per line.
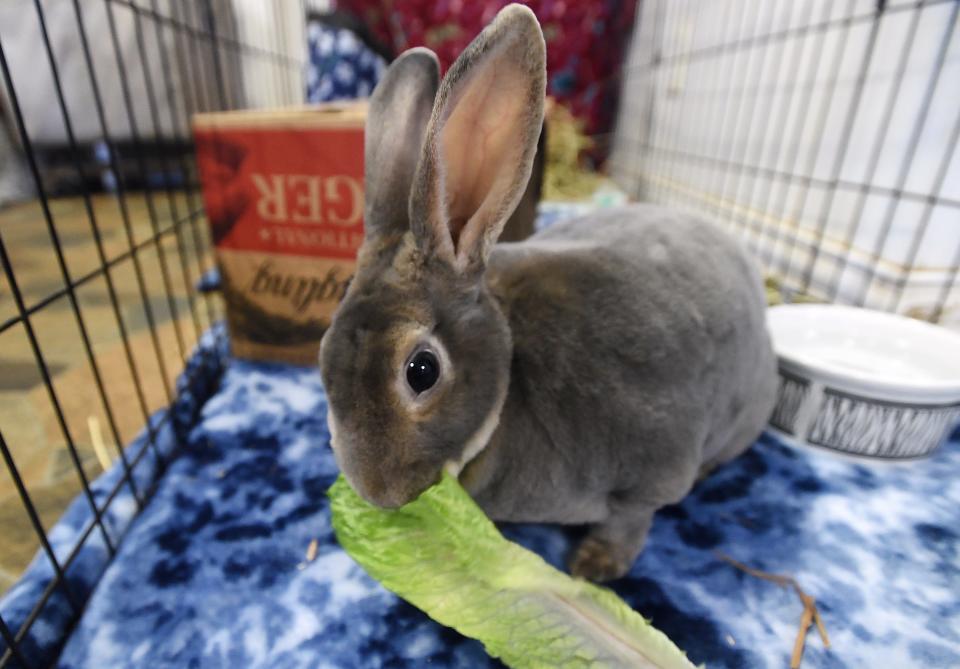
x,y
862,382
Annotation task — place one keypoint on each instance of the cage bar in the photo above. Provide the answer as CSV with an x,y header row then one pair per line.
x,y
172,207
147,188
122,201
787,168
201,77
912,146
34,517
184,103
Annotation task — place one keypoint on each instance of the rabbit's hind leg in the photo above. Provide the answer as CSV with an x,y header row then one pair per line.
x,y
610,548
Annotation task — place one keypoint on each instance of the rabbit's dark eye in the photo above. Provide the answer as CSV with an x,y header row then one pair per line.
x,y
423,370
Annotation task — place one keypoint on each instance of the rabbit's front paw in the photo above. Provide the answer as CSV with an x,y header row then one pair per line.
x,y
598,561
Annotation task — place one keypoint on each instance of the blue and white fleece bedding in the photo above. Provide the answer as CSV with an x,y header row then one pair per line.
x,y
146,457
214,571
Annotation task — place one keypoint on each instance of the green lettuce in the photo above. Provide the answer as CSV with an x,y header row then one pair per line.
x,y
443,555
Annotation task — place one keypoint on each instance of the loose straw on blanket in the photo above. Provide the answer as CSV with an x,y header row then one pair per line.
x,y
96,440
810,612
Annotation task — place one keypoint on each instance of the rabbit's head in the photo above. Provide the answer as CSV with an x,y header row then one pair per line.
x,y
416,362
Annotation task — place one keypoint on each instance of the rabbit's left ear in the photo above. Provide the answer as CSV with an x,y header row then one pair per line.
x,y
400,107
479,144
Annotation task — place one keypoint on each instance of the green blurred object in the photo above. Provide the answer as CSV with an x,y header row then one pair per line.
x,y
442,554
565,178
777,294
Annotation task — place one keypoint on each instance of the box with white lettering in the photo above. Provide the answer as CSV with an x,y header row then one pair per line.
x,y
283,191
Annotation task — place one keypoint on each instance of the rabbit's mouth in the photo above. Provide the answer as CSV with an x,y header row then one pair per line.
x,y
384,485
392,490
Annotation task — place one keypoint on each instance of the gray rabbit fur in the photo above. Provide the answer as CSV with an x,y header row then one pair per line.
x,y
587,375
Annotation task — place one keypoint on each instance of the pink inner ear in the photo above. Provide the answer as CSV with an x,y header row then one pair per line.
x,y
482,140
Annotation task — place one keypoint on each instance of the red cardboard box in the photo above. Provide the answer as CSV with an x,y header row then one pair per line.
x,y
283,191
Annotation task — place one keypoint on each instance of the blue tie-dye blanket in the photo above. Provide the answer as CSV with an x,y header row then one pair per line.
x,y
214,571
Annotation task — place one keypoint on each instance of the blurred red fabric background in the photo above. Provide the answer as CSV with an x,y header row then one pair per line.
x,y
586,43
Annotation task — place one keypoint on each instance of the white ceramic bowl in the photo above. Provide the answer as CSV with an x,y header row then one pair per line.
x,y
864,382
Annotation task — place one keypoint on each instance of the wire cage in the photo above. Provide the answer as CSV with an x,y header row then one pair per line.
x,y
96,103
823,133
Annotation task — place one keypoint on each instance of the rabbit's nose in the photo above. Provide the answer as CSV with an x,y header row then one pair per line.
x,y
387,492
391,489
387,498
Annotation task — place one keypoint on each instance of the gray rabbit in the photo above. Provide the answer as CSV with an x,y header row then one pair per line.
x,y
587,375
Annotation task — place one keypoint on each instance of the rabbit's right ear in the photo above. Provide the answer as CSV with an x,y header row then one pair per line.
x,y
479,146
399,110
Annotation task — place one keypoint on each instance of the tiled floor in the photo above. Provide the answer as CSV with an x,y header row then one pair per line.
x,y
28,421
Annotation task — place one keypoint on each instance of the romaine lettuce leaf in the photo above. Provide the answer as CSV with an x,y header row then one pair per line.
x,y
442,554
